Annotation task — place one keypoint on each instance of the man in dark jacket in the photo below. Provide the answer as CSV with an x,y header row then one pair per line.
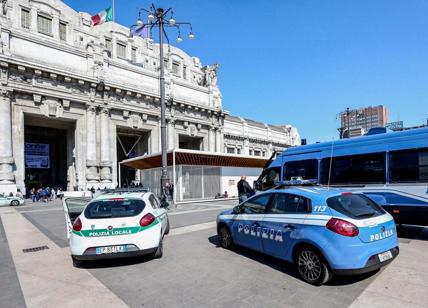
x,y
244,189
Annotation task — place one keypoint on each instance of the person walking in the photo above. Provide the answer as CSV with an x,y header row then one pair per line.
x,y
244,189
33,194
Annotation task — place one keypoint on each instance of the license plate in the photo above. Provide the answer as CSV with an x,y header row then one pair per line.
x,y
384,256
110,249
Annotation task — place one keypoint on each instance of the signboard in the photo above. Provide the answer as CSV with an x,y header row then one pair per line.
x,y
395,125
37,155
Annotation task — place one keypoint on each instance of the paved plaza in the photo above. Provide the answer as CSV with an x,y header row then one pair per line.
x,y
193,272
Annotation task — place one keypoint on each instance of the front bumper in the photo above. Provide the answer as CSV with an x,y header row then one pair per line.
x,y
372,264
127,254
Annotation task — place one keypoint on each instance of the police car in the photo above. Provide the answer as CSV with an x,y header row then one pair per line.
x,y
322,231
115,224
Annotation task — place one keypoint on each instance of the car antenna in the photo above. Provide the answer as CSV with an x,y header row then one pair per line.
x,y
331,163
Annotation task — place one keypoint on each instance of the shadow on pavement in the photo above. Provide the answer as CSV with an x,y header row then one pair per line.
x,y
287,267
125,261
412,232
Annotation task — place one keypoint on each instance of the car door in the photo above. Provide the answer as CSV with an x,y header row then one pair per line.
x,y
157,210
283,222
246,226
73,207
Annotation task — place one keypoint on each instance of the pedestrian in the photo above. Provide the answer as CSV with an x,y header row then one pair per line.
x,y
53,194
33,194
60,193
244,189
92,191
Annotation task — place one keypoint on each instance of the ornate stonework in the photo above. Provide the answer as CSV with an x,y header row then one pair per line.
x,y
79,81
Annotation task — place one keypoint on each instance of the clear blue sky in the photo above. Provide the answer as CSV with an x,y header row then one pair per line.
x,y
301,62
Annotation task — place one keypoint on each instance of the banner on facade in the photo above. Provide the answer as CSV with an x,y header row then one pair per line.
x,y
37,155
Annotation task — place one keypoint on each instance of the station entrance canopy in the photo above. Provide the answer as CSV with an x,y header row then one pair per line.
x,y
197,175
195,158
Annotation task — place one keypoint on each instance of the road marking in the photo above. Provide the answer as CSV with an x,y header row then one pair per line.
x,y
197,211
192,228
47,277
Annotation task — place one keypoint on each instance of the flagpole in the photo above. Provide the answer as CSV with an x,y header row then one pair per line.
x,y
113,10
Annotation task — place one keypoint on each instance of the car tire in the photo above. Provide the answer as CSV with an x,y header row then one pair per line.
x,y
167,226
159,251
76,262
224,237
312,266
14,203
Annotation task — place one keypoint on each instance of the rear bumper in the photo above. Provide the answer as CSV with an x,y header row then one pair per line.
x,y
372,264
128,254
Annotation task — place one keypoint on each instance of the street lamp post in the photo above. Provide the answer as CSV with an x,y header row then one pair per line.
x,y
157,19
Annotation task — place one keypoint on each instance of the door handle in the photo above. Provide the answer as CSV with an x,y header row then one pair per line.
x,y
288,226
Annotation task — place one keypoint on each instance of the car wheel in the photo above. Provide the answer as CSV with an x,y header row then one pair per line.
x,y
159,251
167,226
14,203
312,267
76,262
224,237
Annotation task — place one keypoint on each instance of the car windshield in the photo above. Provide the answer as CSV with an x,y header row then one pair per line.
x,y
114,208
355,206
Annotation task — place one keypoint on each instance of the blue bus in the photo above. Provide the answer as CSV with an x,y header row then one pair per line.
x,y
393,165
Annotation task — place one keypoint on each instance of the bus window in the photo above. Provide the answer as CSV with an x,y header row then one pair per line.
x,y
269,177
409,165
358,169
306,169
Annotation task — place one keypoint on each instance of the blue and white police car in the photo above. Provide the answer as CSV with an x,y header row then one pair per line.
x,y
322,231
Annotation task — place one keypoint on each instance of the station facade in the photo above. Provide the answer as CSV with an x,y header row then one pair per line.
x,y
76,99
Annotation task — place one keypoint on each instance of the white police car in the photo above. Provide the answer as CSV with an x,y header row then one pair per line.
x,y
322,231
116,224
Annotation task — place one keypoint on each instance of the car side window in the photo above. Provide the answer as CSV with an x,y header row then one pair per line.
x,y
288,204
153,202
256,205
158,204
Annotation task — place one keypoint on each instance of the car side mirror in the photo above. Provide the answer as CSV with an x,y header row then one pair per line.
x,y
237,210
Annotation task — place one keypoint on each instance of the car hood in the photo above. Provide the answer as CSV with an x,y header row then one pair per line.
x,y
227,212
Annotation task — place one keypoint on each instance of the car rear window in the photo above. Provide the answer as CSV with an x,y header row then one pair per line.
x,y
114,208
355,206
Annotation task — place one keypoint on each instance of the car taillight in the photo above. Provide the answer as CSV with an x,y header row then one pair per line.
x,y
77,225
342,227
147,220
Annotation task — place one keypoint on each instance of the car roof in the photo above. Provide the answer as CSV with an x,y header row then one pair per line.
x,y
311,192
110,195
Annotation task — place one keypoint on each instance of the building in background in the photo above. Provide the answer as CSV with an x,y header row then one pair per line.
x,y
357,122
399,126
75,100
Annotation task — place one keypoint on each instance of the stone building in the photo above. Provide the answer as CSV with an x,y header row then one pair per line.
x,y
75,100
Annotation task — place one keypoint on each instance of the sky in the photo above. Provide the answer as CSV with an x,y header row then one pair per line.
x,y
302,62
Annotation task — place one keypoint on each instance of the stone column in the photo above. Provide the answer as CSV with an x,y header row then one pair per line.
x,y
246,149
6,154
91,146
211,139
171,134
218,140
105,163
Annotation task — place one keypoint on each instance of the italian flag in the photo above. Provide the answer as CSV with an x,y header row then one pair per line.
x,y
102,17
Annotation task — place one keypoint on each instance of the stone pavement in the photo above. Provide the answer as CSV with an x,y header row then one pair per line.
x,y
46,277
404,283
194,272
